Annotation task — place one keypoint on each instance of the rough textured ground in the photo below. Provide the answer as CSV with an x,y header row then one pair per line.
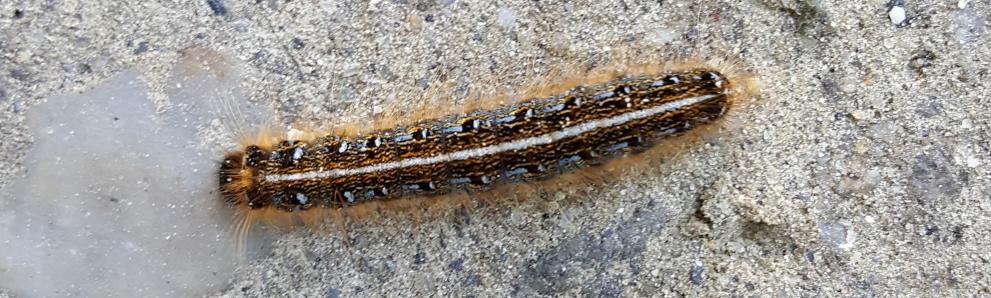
x,y
861,171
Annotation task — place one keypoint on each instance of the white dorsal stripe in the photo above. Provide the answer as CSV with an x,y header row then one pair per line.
x,y
524,143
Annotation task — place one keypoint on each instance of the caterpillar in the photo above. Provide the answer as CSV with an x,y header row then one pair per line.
x,y
533,139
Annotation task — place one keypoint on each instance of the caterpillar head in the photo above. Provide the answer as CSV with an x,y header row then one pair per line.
x,y
238,177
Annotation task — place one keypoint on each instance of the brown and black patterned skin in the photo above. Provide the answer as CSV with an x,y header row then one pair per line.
x,y
475,130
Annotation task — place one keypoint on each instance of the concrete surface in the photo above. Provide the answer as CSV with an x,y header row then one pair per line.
x,y
861,171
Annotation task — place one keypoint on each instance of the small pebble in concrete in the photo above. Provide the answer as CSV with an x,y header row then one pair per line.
x,y
896,13
966,25
298,43
697,274
832,233
506,18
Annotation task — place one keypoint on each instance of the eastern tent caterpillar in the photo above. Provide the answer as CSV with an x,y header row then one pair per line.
x,y
599,118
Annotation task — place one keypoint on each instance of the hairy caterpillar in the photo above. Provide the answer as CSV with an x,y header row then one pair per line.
x,y
579,125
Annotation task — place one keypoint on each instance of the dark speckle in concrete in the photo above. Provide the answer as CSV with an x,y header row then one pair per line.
x,y
954,236
808,17
555,270
217,7
473,280
930,108
141,48
933,179
831,88
420,257
457,265
333,293
19,74
921,60
602,287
